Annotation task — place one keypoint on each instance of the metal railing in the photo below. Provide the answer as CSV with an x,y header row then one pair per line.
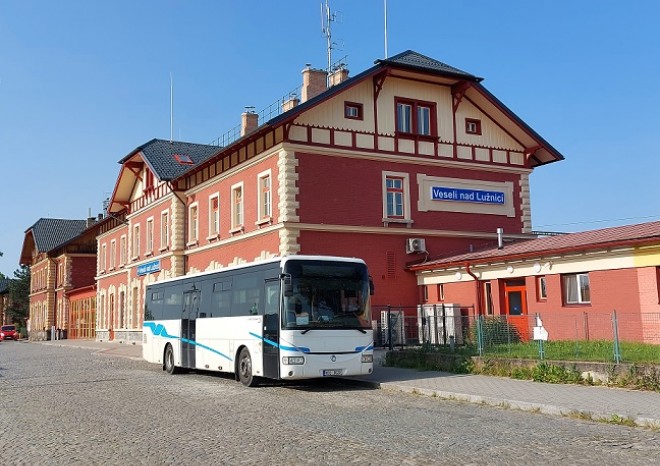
x,y
266,114
596,336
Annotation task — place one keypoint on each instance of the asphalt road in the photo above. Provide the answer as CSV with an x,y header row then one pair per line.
x,y
70,406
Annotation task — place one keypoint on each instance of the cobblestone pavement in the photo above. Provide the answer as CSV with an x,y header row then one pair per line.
x,y
66,406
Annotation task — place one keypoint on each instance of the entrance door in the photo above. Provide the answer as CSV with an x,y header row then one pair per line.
x,y
188,320
515,305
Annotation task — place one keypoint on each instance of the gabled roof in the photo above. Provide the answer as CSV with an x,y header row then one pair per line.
x,y
159,155
409,60
47,234
540,151
417,61
643,233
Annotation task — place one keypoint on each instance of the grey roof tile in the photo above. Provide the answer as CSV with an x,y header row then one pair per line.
x,y
50,233
416,60
159,155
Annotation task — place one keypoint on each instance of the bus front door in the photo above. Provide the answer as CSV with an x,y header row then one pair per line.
x,y
188,319
271,330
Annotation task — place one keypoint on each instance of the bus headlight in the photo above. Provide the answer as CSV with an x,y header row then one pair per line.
x,y
293,360
368,358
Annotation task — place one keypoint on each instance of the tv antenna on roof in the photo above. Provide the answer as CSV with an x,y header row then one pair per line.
x,y
327,18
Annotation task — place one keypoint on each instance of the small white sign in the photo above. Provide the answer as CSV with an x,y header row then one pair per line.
x,y
540,333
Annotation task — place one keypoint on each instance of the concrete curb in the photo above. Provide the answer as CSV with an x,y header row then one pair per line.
x,y
541,408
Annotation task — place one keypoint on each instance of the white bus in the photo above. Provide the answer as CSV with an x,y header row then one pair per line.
x,y
295,317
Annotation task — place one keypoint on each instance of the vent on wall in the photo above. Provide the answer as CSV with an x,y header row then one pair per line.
x,y
414,245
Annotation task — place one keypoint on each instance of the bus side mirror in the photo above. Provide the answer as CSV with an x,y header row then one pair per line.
x,y
371,286
287,285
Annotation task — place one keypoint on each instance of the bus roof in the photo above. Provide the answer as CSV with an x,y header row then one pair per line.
x,y
281,259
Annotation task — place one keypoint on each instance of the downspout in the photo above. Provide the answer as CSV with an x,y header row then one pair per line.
x,y
477,284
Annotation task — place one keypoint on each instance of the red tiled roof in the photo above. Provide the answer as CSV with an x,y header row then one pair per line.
x,y
586,240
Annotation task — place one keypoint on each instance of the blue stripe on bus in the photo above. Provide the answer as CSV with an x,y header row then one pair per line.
x,y
185,340
302,349
159,330
359,349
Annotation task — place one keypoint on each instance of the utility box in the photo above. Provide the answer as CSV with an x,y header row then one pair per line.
x,y
398,325
438,323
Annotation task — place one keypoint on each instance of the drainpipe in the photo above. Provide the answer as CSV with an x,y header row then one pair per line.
x,y
477,284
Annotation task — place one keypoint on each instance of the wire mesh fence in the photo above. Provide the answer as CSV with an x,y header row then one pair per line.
x,y
573,335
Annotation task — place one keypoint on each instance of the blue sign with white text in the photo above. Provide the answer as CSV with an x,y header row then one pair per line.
x,y
149,267
441,193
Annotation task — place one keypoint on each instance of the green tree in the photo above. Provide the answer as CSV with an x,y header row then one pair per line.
x,y
2,276
19,296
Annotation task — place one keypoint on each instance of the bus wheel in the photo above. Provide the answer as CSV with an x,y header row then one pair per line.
x,y
170,368
245,369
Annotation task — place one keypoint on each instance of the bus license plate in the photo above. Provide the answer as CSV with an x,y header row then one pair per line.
x,y
332,372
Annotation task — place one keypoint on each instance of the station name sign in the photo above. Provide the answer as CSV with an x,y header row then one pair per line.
x,y
149,267
440,193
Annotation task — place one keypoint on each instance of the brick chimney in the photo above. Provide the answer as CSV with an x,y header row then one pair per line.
x,y
249,121
289,103
314,83
339,75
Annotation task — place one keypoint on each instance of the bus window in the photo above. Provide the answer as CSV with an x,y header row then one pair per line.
x,y
246,294
153,305
172,303
220,302
272,302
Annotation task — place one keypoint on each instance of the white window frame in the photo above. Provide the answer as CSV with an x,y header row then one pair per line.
x,y
193,223
113,254
123,250
150,236
265,203
102,259
567,280
135,241
164,230
542,287
405,177
237,210
214,216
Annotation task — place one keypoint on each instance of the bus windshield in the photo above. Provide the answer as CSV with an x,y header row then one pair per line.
x,y
326,296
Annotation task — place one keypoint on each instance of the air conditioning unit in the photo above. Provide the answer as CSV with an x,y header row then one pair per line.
x,y
414,245
398,331
437,323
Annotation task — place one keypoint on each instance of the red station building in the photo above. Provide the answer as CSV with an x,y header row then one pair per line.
x,y
407,160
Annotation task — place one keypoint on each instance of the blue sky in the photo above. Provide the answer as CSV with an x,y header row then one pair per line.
x,y
83,83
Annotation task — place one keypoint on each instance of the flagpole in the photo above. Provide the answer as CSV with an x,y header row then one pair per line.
x,y
171,108
385,5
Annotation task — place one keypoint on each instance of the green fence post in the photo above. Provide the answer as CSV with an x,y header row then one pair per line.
x,y
615,331
389,328
541,352
480,336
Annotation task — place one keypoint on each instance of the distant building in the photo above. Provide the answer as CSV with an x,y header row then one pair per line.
x,y
61,255
574,282
4,301
409,159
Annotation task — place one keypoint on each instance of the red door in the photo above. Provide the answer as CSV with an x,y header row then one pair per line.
x,y
515,306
